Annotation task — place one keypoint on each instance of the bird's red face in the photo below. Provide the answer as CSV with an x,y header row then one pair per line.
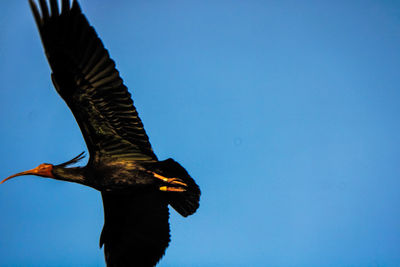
x,y
44,170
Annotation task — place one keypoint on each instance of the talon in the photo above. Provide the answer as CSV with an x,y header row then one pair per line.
x,y
172,189
169,180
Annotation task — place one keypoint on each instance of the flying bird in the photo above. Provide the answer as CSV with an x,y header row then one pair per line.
x,y
135,186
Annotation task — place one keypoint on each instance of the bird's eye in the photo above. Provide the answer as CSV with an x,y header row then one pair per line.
x,y
42,166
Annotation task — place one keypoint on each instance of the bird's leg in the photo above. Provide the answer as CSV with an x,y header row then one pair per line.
x,y
172,181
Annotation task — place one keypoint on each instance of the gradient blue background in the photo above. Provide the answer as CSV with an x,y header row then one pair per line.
x,y
285,112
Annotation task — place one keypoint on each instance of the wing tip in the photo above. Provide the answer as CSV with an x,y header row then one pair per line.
x,y
45,9
54,8
45,13
36,14
76,6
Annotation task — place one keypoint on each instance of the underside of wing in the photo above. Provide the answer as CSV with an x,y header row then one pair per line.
x,y
136,228
86,78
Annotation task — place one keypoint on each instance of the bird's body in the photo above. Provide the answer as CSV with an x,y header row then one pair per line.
x,y
136,187
110,175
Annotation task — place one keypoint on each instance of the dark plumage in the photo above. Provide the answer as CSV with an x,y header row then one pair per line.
x,y
136,188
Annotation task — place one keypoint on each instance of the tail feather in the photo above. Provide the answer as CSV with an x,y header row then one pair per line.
x,y
185,203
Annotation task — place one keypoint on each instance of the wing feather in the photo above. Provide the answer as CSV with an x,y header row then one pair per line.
x,y
136,228
86,78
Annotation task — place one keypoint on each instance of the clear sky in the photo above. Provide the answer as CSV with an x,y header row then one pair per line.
x,y
285,112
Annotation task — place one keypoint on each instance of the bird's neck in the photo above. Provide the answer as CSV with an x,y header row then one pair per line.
x,y
75,175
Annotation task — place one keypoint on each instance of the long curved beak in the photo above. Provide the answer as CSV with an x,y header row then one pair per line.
x,y
43,170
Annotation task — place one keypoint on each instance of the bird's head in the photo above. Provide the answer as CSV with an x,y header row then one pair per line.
x,y
59,172
44,170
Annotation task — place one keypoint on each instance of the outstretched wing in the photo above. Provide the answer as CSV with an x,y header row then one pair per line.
x,y
136,228
86,78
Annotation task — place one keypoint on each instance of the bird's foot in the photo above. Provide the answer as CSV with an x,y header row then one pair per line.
x,y
171,181
172,189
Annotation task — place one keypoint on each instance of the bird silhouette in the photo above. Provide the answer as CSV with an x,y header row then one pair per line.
x,y
136,187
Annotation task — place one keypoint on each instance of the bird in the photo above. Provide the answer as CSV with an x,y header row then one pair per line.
x,y
136,188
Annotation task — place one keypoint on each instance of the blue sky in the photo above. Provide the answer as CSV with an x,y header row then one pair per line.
x,y
285,112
